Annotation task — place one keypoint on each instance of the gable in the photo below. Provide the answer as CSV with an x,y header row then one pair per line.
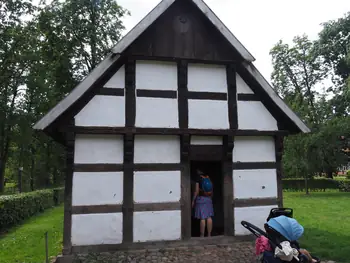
x,y
175,30
183,31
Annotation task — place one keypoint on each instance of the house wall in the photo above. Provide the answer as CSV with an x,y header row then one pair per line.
x,y
133,186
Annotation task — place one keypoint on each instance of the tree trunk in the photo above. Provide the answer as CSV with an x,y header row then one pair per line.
x,y
2,176
306,186
330,174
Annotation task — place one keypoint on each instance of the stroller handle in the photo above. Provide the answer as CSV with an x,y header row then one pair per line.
x,y
253,229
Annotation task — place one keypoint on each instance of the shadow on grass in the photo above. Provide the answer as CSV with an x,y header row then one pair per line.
x,y
327,245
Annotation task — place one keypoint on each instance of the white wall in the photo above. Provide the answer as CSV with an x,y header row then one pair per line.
x,y
254,149
157,112
157,149
117,80
102,110
208,114
252,115
97,229
157,187
156,75
242,87
210,78
157,226
206,140
255,215
257,183
93,148
97,188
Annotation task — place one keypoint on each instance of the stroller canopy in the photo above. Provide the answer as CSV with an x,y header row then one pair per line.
x,y
286,226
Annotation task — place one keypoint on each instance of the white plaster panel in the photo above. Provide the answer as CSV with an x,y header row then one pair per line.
x,y
157,187
156,112
242,87
156,75
157,226
252,115
207,114
117,80
157,149
97,229
93,148
211,78
255,215
102,110
97,188
206,140
254,149
257,183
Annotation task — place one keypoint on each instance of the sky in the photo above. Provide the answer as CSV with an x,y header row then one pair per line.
x,y
258,24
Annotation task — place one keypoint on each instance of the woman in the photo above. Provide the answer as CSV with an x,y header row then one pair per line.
x,y
202,201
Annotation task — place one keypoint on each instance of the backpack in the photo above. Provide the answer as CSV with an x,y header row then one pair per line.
x,y
205,185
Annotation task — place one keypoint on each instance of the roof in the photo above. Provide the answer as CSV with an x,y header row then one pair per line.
x,y
133,34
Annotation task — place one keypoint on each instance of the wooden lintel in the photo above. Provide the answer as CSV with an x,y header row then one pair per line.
x,y
255,202
253,165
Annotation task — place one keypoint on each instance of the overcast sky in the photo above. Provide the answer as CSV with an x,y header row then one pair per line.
x,y
259,24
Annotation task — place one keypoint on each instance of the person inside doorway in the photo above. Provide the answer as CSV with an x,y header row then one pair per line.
x,y
202,202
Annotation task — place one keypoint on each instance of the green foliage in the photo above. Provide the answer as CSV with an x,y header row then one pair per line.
x,y
297,185
344,186
15,208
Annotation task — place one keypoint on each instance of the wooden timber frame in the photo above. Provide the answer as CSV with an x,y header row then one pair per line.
x,y
188,153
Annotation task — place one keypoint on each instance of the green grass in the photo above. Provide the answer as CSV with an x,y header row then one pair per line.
x,y
26,243
326,220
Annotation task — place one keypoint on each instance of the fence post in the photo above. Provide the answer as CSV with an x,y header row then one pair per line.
x,y
46,248
20,170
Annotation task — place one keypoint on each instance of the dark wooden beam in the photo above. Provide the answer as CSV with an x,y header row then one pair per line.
x,y
98,167
179,59
232,96
130,99
254,165
255,202
185,188
229,227
175,131
128,189
67,220
182,72
279,175
111,92
247,97
169,94
206,152
170,206
201,95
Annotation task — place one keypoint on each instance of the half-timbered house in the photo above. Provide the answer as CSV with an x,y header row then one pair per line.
x,y
178,92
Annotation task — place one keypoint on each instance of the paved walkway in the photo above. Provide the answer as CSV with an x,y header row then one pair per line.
x,y
240,252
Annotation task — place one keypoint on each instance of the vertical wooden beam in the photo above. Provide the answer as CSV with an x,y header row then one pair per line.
x,y
128,182
185,188
128,189
232,96
67,220
130,90
182,77
279,176
229,226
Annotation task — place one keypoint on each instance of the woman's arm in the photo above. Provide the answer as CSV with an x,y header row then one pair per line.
x,y
195,194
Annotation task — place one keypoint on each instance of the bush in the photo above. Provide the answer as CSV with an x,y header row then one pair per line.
x,y
344,186
313,184
348,174
15,208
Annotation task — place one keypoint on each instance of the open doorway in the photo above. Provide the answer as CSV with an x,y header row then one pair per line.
x,y
214,171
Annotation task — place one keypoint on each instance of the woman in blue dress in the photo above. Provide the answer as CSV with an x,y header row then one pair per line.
x,y
203,206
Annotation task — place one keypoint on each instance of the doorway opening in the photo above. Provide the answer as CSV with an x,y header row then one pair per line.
x,y
214,170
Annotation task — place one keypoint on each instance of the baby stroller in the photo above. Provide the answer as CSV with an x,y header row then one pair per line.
x,y
280,227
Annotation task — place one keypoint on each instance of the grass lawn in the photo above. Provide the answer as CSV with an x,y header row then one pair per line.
x,y
26,243
326,219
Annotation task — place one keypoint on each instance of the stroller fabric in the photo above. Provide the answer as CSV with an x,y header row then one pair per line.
x,y
286,226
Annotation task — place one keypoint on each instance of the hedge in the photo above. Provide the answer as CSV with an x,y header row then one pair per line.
x,y
313,184
15,208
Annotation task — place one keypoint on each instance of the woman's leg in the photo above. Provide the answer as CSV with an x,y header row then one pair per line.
x,y
209,225
202,227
